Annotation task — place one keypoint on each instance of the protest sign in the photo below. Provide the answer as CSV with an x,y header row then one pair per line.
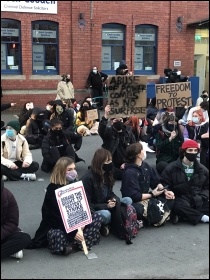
x,y
73,205
127,96
92,114
173,95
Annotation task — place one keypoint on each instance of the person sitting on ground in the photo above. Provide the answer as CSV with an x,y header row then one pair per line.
x,y
58,143
84,126
24,115
33,133
189,180
168,141
192,127
141,183
133,122
204,106
204,97
60,112
13,239
115,138
51,232
16,158
98,182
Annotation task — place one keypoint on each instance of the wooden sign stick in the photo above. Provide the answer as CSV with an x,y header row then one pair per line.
x,y
84,246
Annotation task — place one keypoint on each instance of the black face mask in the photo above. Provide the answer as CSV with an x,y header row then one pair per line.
x,y
171,127
56,132
107,167
67,80
85,107
191,157
118,125
204,96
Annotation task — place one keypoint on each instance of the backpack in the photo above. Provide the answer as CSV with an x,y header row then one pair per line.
x,y
124,223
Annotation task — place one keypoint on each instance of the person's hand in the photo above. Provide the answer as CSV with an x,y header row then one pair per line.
x,y
173,135
107,109
157,191
111,203
122,166
13,104
13,166
25,164
169,194
79,236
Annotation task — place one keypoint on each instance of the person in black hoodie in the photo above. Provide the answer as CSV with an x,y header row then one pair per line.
x,y
58,143
13,240
95,82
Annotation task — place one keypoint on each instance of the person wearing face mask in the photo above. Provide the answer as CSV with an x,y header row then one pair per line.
x,y
204,97
98,182
204,107
141,183
189,180
84,126
168,141
95,81
51,232
65,115
58,143
116,137
16,159
65,88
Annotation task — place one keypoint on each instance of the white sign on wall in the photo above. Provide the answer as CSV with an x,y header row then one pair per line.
x,y
177,63
40,7
138,60
38,57
106,57
44,34
144,37
11,32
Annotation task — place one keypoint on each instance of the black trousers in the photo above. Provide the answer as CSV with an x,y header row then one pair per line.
x,y
204,158
98,92
14,174
185,209
14,243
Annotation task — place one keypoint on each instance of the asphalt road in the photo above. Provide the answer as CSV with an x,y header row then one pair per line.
x,y
178,251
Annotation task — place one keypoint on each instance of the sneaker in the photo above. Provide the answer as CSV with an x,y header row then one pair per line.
x,y
29,177
4,178
104,230
18,255
174,219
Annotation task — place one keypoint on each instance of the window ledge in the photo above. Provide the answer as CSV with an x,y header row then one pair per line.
x,y
45,77
13,77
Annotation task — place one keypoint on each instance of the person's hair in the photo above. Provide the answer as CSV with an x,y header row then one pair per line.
x,y
200,114
58,175
205,105
132,151
51,102
133,121
182,152
55,122
100,156
204,91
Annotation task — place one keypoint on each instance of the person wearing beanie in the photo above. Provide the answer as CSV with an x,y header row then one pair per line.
x,y
16,158
189,180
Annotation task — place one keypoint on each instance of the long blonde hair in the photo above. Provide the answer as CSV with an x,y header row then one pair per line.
x,y
58,175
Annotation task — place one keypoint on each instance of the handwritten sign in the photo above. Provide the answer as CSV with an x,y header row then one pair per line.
x,y
173,95
73,205
92,114
127,96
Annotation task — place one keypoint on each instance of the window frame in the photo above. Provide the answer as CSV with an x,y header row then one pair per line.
x,y
153,71
112,26
46,71
19,70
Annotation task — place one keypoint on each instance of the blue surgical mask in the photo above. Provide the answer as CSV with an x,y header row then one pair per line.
x,y
195,119
10,133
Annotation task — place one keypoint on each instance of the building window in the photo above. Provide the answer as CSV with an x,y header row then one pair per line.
x,y
145,49
45,47
113,47
10,47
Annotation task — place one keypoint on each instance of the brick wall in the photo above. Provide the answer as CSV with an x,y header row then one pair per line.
x,y
80,49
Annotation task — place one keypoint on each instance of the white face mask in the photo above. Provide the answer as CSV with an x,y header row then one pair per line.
x,y
95,71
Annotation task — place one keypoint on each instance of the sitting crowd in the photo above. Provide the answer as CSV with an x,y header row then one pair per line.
x,y
176,189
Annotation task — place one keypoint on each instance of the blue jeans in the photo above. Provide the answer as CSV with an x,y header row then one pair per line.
x,y
106,214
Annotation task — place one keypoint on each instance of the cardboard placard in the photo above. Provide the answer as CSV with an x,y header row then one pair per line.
x,y
127,96
92,114
173,95
73,205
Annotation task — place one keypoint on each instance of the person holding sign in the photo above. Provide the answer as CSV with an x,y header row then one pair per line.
x,y
51,231
85,126
98,182
115,138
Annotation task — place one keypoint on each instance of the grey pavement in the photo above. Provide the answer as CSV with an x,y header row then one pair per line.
x,y
178,251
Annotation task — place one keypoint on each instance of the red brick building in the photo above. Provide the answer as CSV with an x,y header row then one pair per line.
x,y
73,36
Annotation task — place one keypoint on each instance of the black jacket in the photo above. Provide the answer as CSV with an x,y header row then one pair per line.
x,y
137,180
96,80
197,187
5,106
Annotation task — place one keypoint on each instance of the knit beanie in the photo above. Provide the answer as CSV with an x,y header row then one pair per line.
x,y
190,144
14,124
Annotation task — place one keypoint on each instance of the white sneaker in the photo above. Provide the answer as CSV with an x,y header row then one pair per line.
x,y
4,178
18,255
29,177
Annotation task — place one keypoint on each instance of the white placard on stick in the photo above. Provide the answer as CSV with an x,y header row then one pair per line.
x,y
92,114
73,205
